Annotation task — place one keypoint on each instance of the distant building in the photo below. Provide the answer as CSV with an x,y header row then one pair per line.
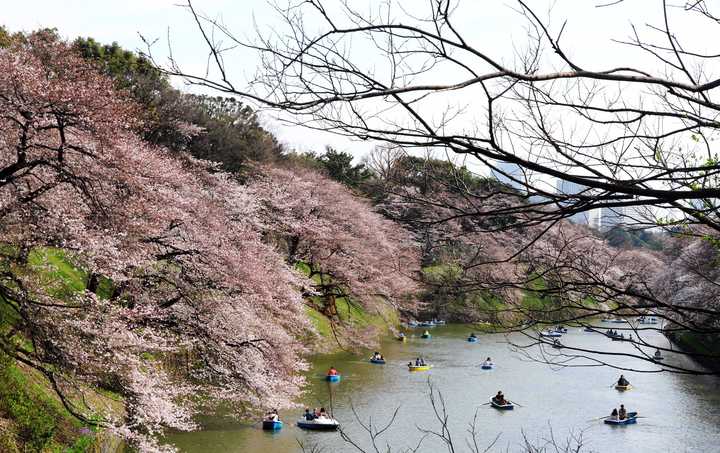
x,y
612,217
509,172
572,188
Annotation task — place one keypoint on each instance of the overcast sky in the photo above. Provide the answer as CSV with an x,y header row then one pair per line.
x,y
491,24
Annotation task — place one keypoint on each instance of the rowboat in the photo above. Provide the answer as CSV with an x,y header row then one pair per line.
x,y
419,367
629,420
508,406
333,378
378,361
550,334
427,336
472,339
319,424
487,366
622,388
272,425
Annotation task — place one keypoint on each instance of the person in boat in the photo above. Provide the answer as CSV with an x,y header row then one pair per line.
x,y
332,371
622,413
426,334
658,354
401,335
614,414
622,381
472,335
488,361
309,416
500,398
322,413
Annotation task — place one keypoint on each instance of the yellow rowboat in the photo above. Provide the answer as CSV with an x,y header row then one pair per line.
x,y
622,388
419,367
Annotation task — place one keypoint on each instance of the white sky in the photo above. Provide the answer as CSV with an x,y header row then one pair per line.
x,y
491,24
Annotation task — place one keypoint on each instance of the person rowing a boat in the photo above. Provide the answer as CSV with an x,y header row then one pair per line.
x,y
658,354
309,416
500,398
332,371
472,335
419,361
614,414
622,413
622,381
272,416
488,362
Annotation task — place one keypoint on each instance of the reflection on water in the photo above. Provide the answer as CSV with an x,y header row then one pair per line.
x,y
683,412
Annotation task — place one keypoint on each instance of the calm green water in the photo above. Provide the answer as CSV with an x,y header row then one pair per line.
x,y
683,412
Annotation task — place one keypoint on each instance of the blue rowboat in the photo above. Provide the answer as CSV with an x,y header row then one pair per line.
x,y
630,420
487,366
319,424
550,334
270,425
508,406
472,339
378,361
333,378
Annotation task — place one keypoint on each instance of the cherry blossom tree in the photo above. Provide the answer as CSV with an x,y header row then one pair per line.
x,y
180,241
351,250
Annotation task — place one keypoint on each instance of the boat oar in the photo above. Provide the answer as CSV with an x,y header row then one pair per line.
x,y
485,404
598,418
517,404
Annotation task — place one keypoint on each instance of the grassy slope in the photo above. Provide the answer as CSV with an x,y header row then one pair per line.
x,y
32,419
350,313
